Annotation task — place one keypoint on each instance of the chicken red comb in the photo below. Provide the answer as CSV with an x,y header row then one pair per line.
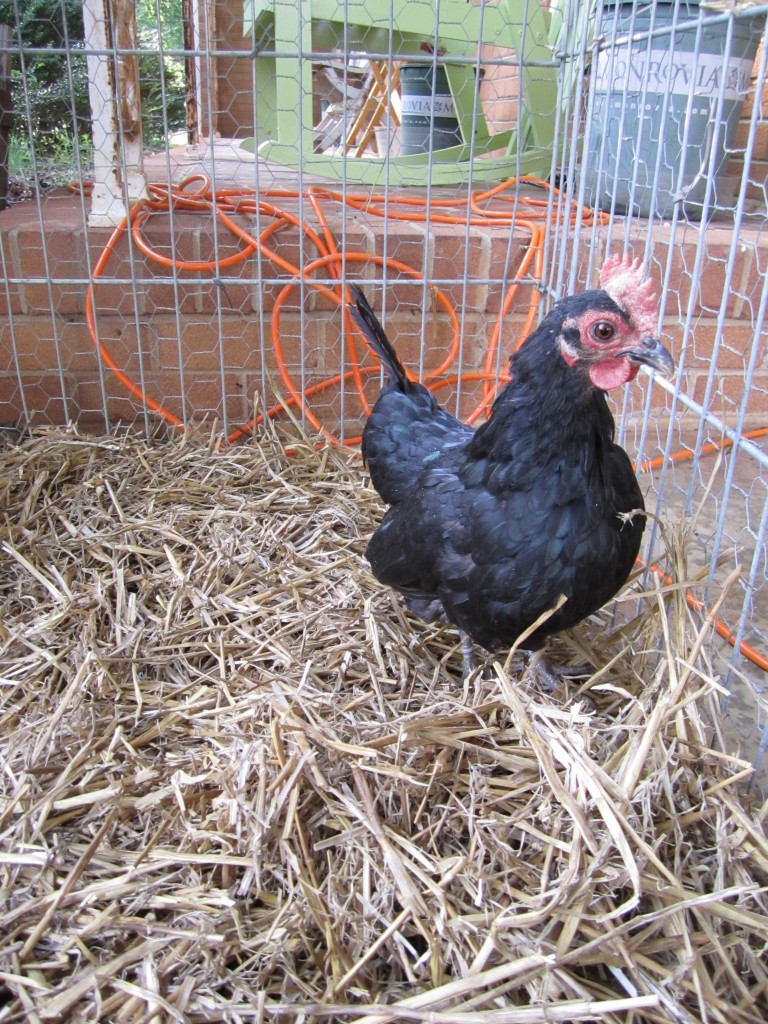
x,y
622,279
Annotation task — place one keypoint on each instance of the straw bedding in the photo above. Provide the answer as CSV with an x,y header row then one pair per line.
x,y
239,784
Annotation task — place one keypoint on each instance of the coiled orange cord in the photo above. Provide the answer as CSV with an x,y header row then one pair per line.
x,y
194,194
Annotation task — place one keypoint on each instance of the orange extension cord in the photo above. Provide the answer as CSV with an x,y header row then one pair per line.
x,y
483,208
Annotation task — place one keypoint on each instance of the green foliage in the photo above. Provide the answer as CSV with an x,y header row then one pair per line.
x,y
44,23
163,86
161,20
21,163
50,89
64,162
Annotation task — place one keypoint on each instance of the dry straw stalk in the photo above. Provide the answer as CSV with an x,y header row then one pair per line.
x,y
240,784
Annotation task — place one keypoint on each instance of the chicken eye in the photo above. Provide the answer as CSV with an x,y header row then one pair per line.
x,y
603,331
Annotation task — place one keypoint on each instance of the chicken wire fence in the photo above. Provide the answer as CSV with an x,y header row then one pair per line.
x,y
265,152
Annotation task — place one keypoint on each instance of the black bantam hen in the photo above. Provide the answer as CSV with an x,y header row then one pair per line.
x,y
490,528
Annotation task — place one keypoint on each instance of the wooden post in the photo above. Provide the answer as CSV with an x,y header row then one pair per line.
x,y
113,86
190,73
6,111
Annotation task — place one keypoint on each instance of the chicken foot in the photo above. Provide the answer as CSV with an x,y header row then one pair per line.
x,y
467,653
551,677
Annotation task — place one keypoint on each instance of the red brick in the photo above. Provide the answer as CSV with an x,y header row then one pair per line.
x,y
513,330
42,394
760,142
231,291
270,277
756,189
10,292
355,238
234,77
199,240
352,232
203,392
59,258
38,355
404,329
728,392
749,98
435,338
738,338
506,254
757,175
36,347
403,321
330,410
196,350
240,342
311,342
202,348
128,347
407,337
499,88
168,287
456,256
592,253
745,281
121,286
121,406
642,395
321,364
324,405
405,244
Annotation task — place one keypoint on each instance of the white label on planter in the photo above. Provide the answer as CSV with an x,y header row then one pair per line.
x,y
421,106
660,70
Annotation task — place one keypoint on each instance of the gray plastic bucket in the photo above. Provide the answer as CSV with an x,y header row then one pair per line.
x,y
426,116
636,135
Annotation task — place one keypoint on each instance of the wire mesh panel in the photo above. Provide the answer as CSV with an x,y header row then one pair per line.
x,y
191,183
671,120
241,778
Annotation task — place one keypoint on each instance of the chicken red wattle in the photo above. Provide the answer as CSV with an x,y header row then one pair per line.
x,y
487,528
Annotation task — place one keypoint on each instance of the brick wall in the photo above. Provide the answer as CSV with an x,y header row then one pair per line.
x,y
235,74
759,164
203,347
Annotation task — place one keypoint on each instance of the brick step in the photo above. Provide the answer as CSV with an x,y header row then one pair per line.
x,y
219,332
50,271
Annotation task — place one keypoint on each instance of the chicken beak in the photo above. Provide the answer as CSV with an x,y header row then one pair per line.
x,y
652,353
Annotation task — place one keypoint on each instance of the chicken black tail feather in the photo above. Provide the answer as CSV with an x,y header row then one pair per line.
x,y
371,327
